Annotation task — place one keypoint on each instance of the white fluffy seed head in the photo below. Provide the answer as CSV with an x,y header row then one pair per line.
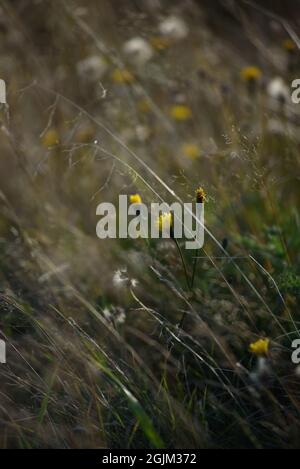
x,y
277,89
174,27
92,68
138,50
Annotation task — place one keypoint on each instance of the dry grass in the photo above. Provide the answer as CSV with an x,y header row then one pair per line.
x,y
77,374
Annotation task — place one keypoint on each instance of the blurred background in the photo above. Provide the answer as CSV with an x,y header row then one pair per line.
x,y
135,343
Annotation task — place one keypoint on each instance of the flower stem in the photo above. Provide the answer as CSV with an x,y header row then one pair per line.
x,y
183,264
194,268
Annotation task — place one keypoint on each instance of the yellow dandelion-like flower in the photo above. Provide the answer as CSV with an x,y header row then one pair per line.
x,y
251,73
144,105
191,150
181,112
165,221
50,138
85,134
260,347
160,42
135,199
200,195
122,76
289,45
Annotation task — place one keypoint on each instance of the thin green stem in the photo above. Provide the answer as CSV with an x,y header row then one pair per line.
x,y
183,264
194,268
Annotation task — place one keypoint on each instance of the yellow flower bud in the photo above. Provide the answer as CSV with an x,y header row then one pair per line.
x,y
122,76
135,199
200,195
50,138
251,73
260,347
191,150
181,112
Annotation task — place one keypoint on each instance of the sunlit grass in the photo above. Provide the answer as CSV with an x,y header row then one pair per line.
x,y
141,343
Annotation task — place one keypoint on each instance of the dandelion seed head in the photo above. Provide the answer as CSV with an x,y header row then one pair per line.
x,y
143,132
119,278
106,313
120,316
138,50
92,68
174,28
134,282
277,89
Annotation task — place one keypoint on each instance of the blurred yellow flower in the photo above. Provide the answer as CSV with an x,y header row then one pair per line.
x,y
251,73
135,199
143,105
160,42
191,150
180,112
200,195
165,221
260,347
50,138
85,134
288,44
122,76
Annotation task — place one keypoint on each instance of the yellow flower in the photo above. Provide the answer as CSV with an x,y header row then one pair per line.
x,y
260,347
135,199
122,76
85,134
191,150
50,138
143,105
289,45
251,73
165,221
160,42
200,195
180,112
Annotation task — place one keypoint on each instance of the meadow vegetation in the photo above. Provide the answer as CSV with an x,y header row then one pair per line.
x,y
112,343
